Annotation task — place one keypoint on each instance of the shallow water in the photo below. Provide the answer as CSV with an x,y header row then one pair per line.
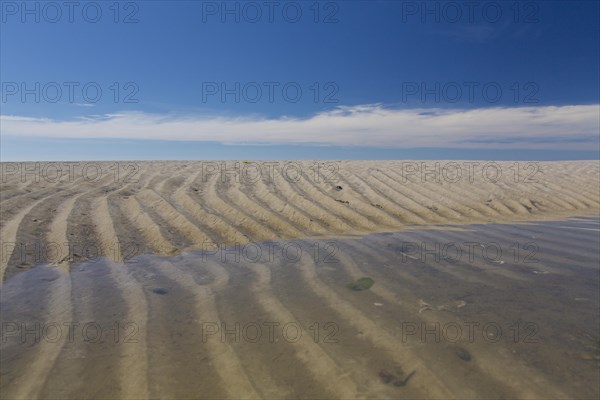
x,y
447,316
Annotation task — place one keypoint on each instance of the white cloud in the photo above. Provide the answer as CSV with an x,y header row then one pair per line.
x,y
573,127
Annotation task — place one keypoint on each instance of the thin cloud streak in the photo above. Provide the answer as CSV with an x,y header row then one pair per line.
x,y
574,127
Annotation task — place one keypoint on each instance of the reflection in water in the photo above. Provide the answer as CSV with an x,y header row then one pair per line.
x,y
489,311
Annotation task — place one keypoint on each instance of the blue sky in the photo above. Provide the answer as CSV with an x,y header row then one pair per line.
x,y
305,79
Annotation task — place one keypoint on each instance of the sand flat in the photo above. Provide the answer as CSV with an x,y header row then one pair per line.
x,y
134,208
166,265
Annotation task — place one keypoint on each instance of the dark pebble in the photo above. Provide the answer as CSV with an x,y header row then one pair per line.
x,y
160,291
462,354
386,377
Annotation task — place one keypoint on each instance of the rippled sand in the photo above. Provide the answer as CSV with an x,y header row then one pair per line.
x,y
132,208
258,306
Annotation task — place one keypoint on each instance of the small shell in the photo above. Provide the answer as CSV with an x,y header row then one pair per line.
x,y
424,308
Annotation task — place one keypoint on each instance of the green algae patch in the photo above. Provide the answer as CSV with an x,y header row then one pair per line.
x,y
361,284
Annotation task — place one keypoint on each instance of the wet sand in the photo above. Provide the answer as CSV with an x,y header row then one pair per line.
x,y
514,314
171,280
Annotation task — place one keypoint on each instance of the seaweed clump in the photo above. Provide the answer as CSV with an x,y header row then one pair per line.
x,y
363,283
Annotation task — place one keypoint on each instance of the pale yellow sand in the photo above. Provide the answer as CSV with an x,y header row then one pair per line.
x,y
169,207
